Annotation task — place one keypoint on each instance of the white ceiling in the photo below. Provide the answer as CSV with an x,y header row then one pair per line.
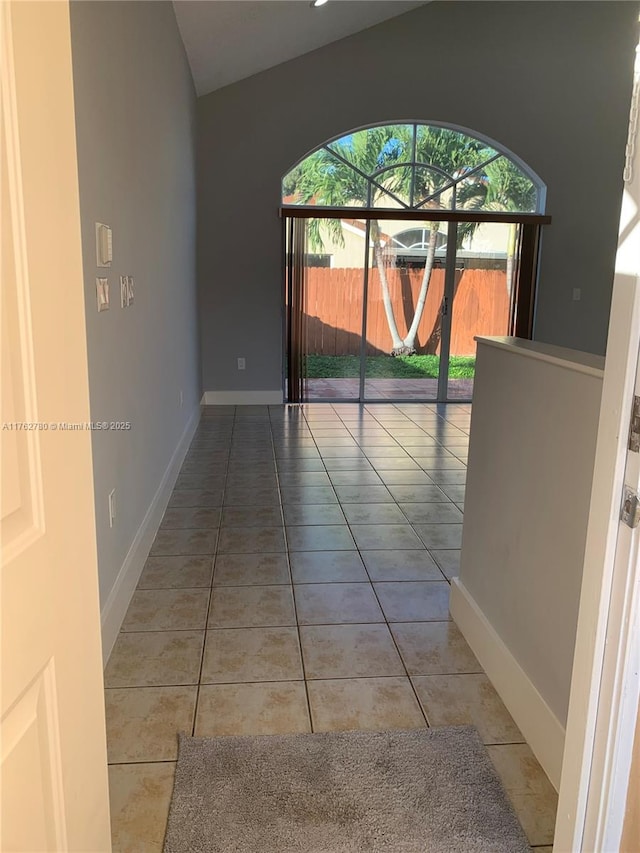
x,y
227,40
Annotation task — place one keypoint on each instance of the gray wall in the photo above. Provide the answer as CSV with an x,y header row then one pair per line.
x,y
550,81
135,113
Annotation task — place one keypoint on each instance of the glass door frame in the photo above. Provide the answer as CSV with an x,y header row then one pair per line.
x,y
524,279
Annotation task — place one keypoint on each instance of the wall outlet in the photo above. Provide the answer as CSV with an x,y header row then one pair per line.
x,y
242,364
112,507
577,294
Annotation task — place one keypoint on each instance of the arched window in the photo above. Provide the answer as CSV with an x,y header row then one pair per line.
x,y
413,167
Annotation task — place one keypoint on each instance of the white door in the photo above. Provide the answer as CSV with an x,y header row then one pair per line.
x,y
54,794
606,673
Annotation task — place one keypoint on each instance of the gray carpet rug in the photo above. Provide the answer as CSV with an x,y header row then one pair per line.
x,y
420,791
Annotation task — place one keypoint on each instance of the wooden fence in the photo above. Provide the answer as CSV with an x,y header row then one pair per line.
x,y
334,309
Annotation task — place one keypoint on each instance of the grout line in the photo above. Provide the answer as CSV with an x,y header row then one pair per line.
x,y
206,623
293,597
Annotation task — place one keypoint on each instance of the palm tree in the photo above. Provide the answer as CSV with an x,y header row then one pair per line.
x,y
509,189
337,177
410,166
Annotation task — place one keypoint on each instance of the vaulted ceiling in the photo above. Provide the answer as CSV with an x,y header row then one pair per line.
x,y
227,40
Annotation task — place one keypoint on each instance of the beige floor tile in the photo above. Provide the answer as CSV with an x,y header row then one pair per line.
x,y
420,601
167,610
234,655
456,493
440,535
531,793
143,722
376,513
327,567
139,796
363,494
176,572
320,537
432,513
196,497
449,477
184,518
433,648
401,566
384,537
250,569
184,542
251,540
251,516
154,658
252,709
364,703
448,560
249,495
417,493
251,606
466,700
349,651
306,514
336,603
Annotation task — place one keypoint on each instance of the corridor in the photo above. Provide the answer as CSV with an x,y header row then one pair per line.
x,y
300,582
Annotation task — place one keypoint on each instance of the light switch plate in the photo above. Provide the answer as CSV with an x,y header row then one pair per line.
x,y
104,245
123,291
129,290
102,294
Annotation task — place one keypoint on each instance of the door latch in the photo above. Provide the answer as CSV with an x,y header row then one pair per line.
x,y
630,512
634,429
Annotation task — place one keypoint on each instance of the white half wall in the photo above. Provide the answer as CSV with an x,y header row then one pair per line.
x,y
542,730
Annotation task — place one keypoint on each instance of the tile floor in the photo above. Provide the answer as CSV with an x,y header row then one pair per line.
x,y
300,582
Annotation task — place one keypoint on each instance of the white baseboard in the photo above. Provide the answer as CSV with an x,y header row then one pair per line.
x,y
242,398
541,728
116,605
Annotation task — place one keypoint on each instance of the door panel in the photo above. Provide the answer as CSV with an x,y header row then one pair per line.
x,y
480,303
403,308
54,794
426,289
324,301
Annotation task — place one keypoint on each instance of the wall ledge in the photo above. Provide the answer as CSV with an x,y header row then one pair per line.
x,y
117,603
569,359
541,728
242,398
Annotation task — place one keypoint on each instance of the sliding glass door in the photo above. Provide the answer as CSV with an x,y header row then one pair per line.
x,y
388,309
405,287
324,308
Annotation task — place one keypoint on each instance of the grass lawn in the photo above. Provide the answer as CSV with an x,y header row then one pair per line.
x,y
384,366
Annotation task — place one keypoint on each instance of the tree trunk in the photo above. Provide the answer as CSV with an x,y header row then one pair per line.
x,y
433,342
409,342
384,286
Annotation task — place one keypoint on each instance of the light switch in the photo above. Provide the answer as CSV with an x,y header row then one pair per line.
x,y
123,291
129,290
104,245
102,293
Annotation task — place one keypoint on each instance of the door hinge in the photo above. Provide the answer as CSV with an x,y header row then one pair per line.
x,y
630,512
634,429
